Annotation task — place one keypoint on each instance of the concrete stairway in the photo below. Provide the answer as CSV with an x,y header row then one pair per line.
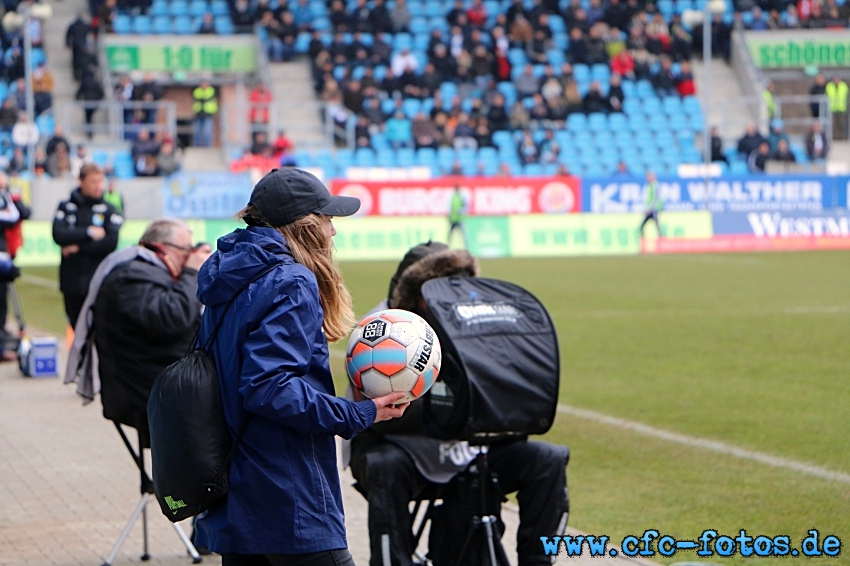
x,y
725,107
298,110
197,159
58,56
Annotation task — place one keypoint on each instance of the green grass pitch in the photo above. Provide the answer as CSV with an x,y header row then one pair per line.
x,y
747,349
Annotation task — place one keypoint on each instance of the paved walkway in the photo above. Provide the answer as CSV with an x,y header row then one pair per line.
x,y
68,485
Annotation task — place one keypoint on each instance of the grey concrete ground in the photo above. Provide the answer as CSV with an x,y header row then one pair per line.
x,y
68,485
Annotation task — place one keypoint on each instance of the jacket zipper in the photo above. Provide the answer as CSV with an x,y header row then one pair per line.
x,y
321,478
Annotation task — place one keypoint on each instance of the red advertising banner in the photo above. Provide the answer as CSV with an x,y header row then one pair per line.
x,y
744,243
485,196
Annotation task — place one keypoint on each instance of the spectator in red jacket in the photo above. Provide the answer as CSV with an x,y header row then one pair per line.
x,y
623,64
685,84
260,98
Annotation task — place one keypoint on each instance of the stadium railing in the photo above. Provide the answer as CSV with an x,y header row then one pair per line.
x,y
110,119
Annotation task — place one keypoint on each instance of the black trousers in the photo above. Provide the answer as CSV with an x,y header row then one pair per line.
x,y
339,557
73,306
535,470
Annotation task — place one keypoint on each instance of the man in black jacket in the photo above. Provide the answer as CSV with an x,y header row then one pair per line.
x,y
391,472
86,227
145,314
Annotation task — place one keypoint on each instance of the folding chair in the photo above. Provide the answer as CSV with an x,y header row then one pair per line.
x,y
146,489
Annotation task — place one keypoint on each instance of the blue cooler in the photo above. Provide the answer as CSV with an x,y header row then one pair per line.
x,y
42,359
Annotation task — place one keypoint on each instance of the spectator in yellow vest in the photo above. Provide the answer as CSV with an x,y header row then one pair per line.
x,y
837,92
205,108
769,102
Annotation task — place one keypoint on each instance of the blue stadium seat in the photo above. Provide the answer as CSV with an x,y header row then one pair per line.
x,y
161,25
302,42
183,25
198,8
178,8
159,8
577,122
122,24
503,138
597,121
385,156
142,25
219,8
406,157
364,157
223,25
581,73
426,156
38,56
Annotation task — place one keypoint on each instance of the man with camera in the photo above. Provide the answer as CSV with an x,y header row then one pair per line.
x,y
396,462
141,313
86,228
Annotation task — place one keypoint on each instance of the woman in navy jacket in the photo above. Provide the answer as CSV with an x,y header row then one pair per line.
x,y
284,504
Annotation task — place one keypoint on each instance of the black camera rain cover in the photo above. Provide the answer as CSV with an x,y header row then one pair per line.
x,y
505,344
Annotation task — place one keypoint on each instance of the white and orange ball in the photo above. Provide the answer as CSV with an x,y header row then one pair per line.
x,y
393,350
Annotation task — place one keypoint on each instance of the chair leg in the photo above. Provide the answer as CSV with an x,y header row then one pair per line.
x,y
196,558
140,507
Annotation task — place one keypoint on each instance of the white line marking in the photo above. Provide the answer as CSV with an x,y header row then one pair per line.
x,y
713,445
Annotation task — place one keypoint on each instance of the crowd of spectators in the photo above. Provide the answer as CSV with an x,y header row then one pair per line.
x,y
266,155
757,150
633,40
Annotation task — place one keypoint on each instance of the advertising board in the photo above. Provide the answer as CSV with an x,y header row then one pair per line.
x,y
724,194
485,196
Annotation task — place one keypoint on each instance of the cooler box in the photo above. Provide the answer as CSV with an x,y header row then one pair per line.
x,y
42,360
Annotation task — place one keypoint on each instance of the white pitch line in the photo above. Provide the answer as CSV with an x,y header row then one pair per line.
x,y
706,444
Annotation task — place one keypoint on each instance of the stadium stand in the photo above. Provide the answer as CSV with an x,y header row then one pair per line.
x,y
486,86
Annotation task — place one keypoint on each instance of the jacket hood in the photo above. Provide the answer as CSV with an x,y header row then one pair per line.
x,y
439,264
240,256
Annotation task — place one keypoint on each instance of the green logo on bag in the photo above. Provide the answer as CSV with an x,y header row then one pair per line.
x,y
174,505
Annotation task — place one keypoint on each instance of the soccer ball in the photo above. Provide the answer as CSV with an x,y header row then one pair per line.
x,y
393,350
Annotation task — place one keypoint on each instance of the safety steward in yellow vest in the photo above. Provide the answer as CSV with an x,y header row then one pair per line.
x,y
837,91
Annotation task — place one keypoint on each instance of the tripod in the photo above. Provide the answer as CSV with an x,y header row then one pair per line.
x,y
492,553
142,508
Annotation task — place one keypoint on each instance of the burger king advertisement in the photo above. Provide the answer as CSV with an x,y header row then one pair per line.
x,y
484,196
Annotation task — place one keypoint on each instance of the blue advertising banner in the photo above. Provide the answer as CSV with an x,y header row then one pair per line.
x,y
831,223
785,193
205,195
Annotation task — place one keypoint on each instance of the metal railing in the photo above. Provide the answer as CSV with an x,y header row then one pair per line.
x,y
270,118
795,112
117,121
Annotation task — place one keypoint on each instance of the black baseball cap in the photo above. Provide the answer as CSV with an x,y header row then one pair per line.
x,y
285,195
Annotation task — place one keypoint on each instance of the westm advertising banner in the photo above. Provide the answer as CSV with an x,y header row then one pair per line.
x,y
768,231
786,193
485,196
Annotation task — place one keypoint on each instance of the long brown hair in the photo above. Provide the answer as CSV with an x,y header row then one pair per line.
x,y
312,249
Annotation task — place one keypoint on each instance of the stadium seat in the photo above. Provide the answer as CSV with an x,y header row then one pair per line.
x,y
142,25
159,8
122,24
223,25
183,25
178,8
161,25
198,8
219,8
405,157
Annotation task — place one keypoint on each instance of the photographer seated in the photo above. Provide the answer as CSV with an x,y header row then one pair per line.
x,y
394,462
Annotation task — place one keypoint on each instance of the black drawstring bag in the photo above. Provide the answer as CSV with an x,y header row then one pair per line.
x,y
191,446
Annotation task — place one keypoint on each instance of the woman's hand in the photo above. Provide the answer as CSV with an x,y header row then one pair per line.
x,y
387,409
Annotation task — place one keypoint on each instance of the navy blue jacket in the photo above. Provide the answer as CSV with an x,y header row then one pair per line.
x,y
272,361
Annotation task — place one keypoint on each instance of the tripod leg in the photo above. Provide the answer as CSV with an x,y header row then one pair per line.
x,y
126,532
196,558
145,555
